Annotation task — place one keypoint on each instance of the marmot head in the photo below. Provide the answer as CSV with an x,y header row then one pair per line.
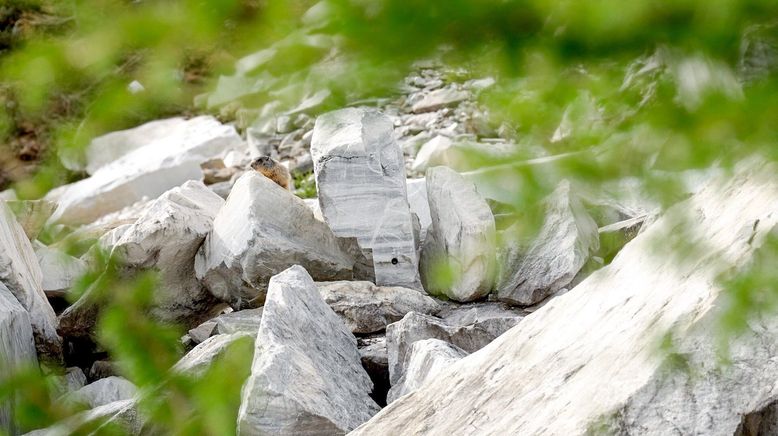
x,y
263,162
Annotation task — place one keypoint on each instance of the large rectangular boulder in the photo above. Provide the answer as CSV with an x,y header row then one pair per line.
x,y
360,177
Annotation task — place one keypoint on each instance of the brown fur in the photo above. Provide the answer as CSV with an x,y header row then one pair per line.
x,y
273,170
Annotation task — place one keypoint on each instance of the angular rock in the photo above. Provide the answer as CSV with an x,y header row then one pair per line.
x,y
61,269
17,348
202,331
261,230
426,359
102,392
360,177
367,308
32,215
102,369
21,275
493,318
561,248
203,136
471,335
119,185
587,362
119,416
165,238
417,199
461,239
197,361
241,321
306,376
438,99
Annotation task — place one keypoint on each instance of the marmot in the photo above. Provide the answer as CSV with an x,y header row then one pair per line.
x,y
272,170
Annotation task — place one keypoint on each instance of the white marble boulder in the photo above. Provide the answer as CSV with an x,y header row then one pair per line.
x,y
468,333
588,362
461,239
199,359
157,165
102,392
262,230
564,243
360,177
22,276
165,238
17,348
306,377
426,359
367,308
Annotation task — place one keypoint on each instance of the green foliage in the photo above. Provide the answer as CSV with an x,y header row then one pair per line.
x,y
305,185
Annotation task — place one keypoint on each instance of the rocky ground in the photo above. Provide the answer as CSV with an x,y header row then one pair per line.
x,y
354,328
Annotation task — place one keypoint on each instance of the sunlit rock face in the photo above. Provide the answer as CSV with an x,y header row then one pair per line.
x,y
155,164
16,348
307,376
360,177
589,361
461,239
262,230
563,245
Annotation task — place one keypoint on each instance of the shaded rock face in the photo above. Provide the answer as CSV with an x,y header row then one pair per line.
x,y
372,350
32,215
360,177
426,359
165,238
554,257
462,238
587,362
157,165
367,308
262,230
61,269
306,377
103,391
17,348
471,335
22,276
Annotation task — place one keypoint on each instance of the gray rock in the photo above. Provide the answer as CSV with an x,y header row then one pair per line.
x,y
22,276
241,321
372,351
61,269
102,392
587,362
758,52
461,240
417,199
367,308
438,99
17,349
120,416
360,177
306,376
197,361
202,331
165,238
101,369
471,335
426,359
262,230
561,248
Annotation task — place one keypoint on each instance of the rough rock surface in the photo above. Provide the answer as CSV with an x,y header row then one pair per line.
x,y
17,347
306,377
103,391
262,230
32,215
367,308
120,416
462,238
426,359
587,362
241,321
372,351
165,238
360,177
22,276
471,335
561,248
196,361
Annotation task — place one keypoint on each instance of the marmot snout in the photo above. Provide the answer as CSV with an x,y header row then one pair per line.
x,y
272,170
